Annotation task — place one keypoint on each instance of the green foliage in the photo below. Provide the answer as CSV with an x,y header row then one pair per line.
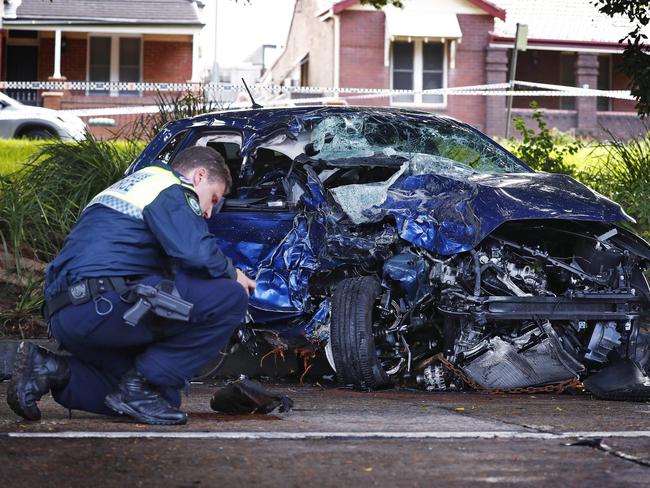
x,y
636,60
174,107
543,149
40,202
625,177
20,309
382,3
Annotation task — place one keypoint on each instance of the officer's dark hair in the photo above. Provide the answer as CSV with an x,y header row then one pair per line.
x,y
206,157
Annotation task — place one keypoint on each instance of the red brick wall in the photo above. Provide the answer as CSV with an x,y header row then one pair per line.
x,y
362,52
162,60
46,59
470,68
620,82
73,58
362,60
167,61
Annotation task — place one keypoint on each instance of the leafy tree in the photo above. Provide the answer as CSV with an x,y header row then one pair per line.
x,y
382,3
636,60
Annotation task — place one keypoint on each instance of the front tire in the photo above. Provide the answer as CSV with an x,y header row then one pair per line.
x,y
351,336
39,134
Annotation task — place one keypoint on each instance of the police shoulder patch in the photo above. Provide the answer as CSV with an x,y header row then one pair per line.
x,y
193,203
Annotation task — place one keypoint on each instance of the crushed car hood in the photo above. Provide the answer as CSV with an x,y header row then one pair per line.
x,y
447,215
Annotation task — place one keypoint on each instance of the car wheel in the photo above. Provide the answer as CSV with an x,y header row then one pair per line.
x,y
38,133
353,343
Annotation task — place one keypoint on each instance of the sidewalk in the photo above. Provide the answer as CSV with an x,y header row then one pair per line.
x,y
335,437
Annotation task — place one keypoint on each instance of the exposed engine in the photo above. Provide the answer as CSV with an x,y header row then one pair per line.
x,y
531,306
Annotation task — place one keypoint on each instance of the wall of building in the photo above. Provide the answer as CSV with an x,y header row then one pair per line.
x,y
362,52
620,82
539,67
308,35
74,56
168,61
470,69
163,58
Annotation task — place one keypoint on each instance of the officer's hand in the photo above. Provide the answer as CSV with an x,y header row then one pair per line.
x,y
245,281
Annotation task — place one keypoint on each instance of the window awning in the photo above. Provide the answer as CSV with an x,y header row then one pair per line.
x,y
408,23
421,23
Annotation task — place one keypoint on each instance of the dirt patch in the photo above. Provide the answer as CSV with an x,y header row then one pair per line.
x,y
20,312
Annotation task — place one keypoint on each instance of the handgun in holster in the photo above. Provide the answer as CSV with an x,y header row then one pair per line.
x,y
162,300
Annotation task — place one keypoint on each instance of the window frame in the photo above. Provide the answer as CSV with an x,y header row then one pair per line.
x,y
115,60
418,72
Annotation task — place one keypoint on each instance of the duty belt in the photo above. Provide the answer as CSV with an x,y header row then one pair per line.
x,y
85,290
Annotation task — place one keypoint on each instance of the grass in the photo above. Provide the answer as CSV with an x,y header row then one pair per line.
x,y
14,153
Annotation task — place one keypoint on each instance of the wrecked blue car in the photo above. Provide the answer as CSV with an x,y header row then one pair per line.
x,y
413,249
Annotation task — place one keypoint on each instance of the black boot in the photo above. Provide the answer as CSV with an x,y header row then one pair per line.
x,y
36,372
139,399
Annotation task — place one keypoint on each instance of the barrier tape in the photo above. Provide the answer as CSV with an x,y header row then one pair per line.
x,y
496,89
277,95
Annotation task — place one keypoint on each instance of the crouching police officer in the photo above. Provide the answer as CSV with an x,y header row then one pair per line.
x,y
119,256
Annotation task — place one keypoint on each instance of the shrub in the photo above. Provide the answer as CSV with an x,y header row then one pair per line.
x,y
174,107
40,202
544,149
625,177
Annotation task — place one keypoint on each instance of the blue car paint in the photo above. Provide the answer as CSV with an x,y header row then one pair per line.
x,y
411,272
442,214
447,215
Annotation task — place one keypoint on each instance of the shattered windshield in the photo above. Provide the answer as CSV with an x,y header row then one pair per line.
x,y
428,144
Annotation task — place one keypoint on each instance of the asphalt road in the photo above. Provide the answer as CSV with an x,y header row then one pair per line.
x,y
339,437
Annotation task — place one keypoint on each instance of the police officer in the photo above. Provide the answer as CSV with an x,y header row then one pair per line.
x,y
148,228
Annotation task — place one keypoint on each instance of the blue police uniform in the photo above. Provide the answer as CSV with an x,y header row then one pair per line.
x,y
140,228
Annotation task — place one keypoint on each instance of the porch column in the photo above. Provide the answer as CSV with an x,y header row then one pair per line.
x,y
53,99
57,54
195,58
496,71
586,107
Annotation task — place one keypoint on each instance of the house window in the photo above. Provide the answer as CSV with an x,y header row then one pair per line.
x,y
604,81
417,66
115,59
304,72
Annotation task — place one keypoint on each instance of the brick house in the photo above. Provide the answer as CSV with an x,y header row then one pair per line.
x,y
99,40
449,43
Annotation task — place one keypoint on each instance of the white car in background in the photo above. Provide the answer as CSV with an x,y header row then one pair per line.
x,y
18,120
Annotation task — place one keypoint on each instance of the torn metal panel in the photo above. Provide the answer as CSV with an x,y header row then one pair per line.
x,y
283,276
317,329
349,244
411,272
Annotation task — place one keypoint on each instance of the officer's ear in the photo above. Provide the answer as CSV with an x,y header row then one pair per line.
x,y
199,174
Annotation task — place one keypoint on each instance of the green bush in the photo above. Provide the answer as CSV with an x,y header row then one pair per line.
x,y
544,149
41,201
625,177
